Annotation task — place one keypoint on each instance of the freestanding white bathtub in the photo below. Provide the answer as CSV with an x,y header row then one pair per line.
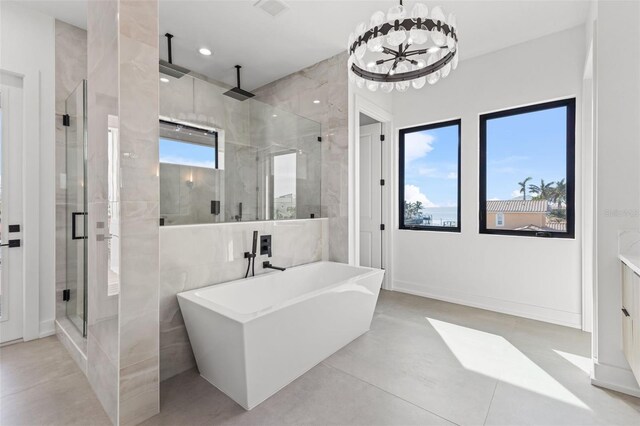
x,y
252,337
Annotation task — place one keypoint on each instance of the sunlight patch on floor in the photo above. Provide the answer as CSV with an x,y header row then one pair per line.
x,y
493,356
582,362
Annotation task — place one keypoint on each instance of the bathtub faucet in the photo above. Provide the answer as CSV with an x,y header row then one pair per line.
x,y
267,265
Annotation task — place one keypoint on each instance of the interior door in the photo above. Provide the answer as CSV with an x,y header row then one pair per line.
x,y
11,284
370,196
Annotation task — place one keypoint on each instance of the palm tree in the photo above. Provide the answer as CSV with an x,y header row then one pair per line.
x,y
418,207
523,187
559,195
544,191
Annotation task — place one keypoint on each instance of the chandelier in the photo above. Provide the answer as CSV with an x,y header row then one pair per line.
x,y
399,51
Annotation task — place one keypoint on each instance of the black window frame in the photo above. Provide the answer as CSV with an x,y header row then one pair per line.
x,y
193,128
570,104
401,167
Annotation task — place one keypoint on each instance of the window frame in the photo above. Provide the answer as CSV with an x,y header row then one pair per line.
x,y
570,104
192,127
401,169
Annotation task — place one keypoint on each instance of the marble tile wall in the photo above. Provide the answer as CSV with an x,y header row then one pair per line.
x,y
123,335
71,69
139,362
195,256
327,82
186,193
102,102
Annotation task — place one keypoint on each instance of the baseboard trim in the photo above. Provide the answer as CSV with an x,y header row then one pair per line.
x,y
539,313
47,328
615,378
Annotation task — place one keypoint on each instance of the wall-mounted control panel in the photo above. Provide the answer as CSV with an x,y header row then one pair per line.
x,y
265,245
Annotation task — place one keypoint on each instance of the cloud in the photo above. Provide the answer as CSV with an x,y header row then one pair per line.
x,y
516,193
412,194
452,175
417,145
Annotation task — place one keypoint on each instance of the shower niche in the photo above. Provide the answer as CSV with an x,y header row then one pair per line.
x,y
228,160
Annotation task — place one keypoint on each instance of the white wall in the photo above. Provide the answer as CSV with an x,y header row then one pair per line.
x,y
531,277
617,79
28,49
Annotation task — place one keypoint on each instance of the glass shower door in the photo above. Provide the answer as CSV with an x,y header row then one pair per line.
x,y
76,208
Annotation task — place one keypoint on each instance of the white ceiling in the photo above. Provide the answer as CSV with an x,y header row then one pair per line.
x,y
270,48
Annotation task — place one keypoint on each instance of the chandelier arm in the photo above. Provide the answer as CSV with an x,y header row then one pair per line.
x,y
407,24
389,51
405,76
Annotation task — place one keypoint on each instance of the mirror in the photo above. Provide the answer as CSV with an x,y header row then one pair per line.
x,y
225,160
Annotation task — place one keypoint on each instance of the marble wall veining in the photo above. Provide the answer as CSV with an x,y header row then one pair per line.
x,y
139,362
71,69
195,256
102,100
123,334
326,82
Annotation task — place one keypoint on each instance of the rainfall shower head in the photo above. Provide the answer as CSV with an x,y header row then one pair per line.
x,y
168,67
237,93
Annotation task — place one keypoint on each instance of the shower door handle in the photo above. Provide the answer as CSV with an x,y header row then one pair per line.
x,y
74,215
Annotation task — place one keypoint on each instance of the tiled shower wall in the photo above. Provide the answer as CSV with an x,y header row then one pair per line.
x,y
326,82
195,256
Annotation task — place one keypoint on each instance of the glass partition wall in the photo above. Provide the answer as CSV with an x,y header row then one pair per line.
x,y
75,294
224,160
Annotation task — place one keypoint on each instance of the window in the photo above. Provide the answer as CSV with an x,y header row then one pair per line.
x,y
527,167
188,146
284,186
430,177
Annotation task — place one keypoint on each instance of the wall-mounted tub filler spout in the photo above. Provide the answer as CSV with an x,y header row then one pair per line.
x,y
267,265
251,256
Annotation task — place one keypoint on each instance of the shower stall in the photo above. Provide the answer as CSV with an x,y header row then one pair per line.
x,y
75,125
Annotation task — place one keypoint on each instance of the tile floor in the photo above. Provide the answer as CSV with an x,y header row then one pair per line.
x,y
40,384
423,362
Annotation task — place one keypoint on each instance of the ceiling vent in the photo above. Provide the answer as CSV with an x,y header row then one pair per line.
x,y
272,7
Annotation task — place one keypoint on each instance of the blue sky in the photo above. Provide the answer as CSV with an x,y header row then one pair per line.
x,y
525,145
532,144
431,167
189,154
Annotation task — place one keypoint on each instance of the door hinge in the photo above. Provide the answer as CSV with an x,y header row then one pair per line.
x,y
66,295
319,138
381,138
382,226
381,182
66,120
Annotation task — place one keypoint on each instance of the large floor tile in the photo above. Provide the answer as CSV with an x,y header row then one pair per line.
x,y
24,365
66,400
323,396
411,360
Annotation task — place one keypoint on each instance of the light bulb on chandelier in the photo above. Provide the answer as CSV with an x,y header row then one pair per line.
x,y
385,55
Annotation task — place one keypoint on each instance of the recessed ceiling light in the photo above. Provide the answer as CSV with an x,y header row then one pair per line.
x,y
164,79
274,115
316,101
204,51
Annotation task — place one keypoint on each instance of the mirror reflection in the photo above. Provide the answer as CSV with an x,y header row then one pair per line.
x,y
229,160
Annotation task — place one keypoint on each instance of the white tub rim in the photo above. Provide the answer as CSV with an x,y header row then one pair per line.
x,y
243,318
